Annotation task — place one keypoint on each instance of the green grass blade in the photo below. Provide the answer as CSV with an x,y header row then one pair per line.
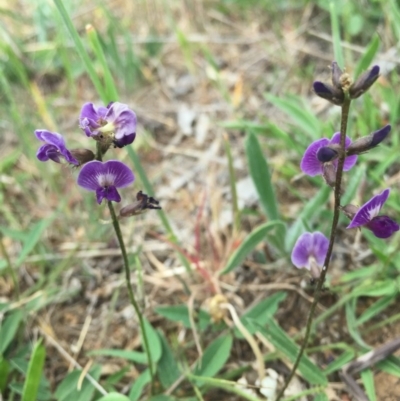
x,y
34,373
261,177
335,22
9,329
339,362
138,385
250,242
81,51
111,90
368,56
367,378
214,357
134,356
284,344
298,111
167,368
376,308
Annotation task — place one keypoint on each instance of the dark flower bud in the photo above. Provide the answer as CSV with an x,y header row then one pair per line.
x,y
329,92
327,154
364,82
336,75
350,211
368,142
329,174
144,202
83,155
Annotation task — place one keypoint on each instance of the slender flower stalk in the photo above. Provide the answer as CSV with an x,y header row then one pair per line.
x,y
132,299
335,220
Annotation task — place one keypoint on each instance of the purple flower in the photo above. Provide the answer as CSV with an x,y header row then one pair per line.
x,y
54,147
310,163
105,178
115,120
309,252
367,216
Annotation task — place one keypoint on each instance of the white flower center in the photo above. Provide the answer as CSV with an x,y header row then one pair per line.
x,y
106,180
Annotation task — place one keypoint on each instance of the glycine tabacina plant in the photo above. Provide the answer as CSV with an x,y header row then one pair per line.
x,y
330,158
112,126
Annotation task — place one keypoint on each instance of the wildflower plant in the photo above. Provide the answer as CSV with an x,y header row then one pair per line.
x,y
330,158
113,126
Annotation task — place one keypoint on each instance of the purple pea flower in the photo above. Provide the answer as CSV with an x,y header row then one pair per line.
x,y
310,164
54,147
115,120
367,216
309,252
105,178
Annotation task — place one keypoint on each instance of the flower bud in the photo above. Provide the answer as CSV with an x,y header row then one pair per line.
x,y
368,142
144,202
349,211
327,153
83,155
329,92
336,75
364,82
329,174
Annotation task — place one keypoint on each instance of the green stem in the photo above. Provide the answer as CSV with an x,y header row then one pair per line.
x,y
117,229
335,220
135,305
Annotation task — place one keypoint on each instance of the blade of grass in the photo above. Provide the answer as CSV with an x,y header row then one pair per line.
x,y
82,52
111,90
337,46
35,368
250,242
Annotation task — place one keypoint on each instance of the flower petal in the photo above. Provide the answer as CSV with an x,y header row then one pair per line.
x,y
302,250
383,226
320,247
310,165
349,162
122,118
126,140
89,111
53,138
369,210
89,175
108,193
42,152
123,175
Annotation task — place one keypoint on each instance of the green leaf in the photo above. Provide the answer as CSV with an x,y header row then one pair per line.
x,y
350,308
376,308
167,369
153,340
4,371
9,329
339,362
67,390
139,357
214,357
390,365
284,344
261,312
302,117
367,378
261,177
310,212
367,56
180,313
33,377
249,243
138,385
162,397
114,397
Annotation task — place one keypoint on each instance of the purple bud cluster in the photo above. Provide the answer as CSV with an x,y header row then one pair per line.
x,y
321,158
110,126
